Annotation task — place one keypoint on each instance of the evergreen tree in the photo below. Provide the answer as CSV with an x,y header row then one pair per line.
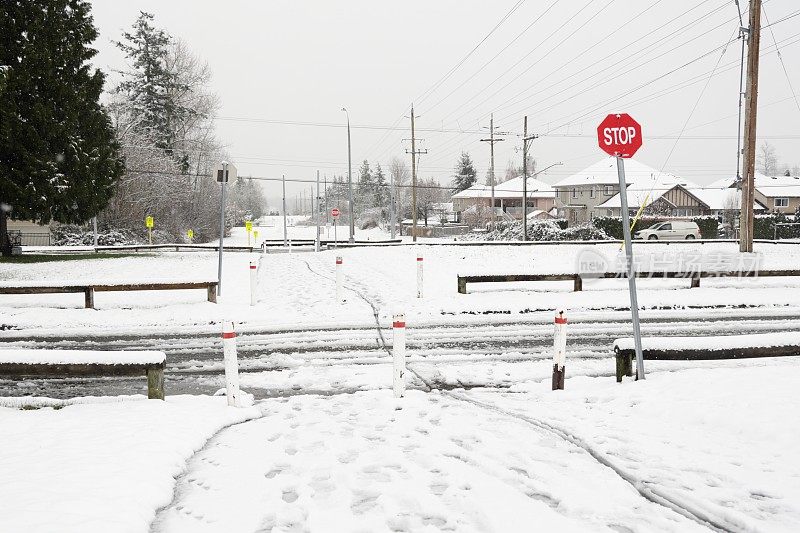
x,y
365,189
59,159
150,88
381,190
465,173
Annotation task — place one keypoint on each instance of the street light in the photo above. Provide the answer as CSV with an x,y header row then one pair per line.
x,y
350,181
525,198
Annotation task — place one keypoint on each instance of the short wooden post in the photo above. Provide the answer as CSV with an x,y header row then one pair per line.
x,y
462,285
628,360
212,292
695,282
578,287
155,382
88,299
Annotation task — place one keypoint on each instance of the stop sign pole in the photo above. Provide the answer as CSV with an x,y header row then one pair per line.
x,y
621,136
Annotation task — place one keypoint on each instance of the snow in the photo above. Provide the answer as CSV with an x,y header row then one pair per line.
x,y
73,357
102,466
717,343
637,175
297,290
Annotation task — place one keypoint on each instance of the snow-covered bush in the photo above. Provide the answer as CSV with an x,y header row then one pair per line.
x,y
541,230
72,235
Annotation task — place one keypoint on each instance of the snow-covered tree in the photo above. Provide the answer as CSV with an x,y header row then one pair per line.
x,y
465,173
59,159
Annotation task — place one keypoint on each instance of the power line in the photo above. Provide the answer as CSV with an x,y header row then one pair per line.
x,y
780,57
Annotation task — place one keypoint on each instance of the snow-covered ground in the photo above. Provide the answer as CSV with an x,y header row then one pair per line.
x,y
298,289
101,467
672,453
696,444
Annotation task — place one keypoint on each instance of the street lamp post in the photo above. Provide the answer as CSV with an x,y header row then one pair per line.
x,y
525,197
350,180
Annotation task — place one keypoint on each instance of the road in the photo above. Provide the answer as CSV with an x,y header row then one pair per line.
x,y
468,352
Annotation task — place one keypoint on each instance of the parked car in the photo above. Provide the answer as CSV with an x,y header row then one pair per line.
x,y
675,230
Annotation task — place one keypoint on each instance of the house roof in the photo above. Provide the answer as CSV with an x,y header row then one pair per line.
x,y
719,198
604,172
509,189
778,186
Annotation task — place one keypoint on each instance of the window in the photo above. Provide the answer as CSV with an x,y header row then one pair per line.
x,y
574,192
591,192
665,227
609,212
609,190
781,202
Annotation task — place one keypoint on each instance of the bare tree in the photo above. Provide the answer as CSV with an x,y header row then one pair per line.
x,y
767,159
400,177
429,193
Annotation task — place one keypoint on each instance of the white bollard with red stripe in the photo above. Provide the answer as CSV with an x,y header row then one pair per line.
x,y
399,355
419,276
559,351
253,282
231,365
339,278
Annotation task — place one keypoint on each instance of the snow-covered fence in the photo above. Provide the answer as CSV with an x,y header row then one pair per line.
x,y
231,364
781,344
86,363
88,290
399,355
559,351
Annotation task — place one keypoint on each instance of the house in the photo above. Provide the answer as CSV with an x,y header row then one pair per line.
x,y
779,194
507,197
594,191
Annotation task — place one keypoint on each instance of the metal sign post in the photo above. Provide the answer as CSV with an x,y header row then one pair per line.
x,y
621,136
224,172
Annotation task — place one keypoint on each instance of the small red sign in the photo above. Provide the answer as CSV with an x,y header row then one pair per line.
x,y
619,135
335,212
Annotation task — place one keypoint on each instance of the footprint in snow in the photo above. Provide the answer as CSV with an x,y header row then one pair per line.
x,y
289,496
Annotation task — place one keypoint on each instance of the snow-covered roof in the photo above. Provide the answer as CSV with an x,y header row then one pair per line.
x,y
509,189
721,198
777,186
644,189
604,172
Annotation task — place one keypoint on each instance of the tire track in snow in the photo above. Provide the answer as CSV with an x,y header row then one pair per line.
x,y
648,491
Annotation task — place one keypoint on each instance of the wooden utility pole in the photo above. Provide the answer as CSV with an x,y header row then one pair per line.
x,y
414,152
491,140
525,143
751,103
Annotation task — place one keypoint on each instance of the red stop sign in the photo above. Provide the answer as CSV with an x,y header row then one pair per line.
x,y
619,135
335,212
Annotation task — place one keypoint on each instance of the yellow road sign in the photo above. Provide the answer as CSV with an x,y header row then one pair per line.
x,y
248,225
190,234
148,221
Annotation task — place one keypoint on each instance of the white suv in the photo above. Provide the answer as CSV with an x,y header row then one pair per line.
x,y
675,230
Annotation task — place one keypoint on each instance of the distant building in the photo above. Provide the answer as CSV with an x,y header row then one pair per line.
x,y
507,198
594,191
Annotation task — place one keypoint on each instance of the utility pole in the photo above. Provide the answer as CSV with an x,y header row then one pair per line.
x,y
283,180
491,140
392,217
414,152
525,143
751,103
316,215
350,181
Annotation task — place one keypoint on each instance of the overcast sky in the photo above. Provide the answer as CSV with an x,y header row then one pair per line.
x,y
566,64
